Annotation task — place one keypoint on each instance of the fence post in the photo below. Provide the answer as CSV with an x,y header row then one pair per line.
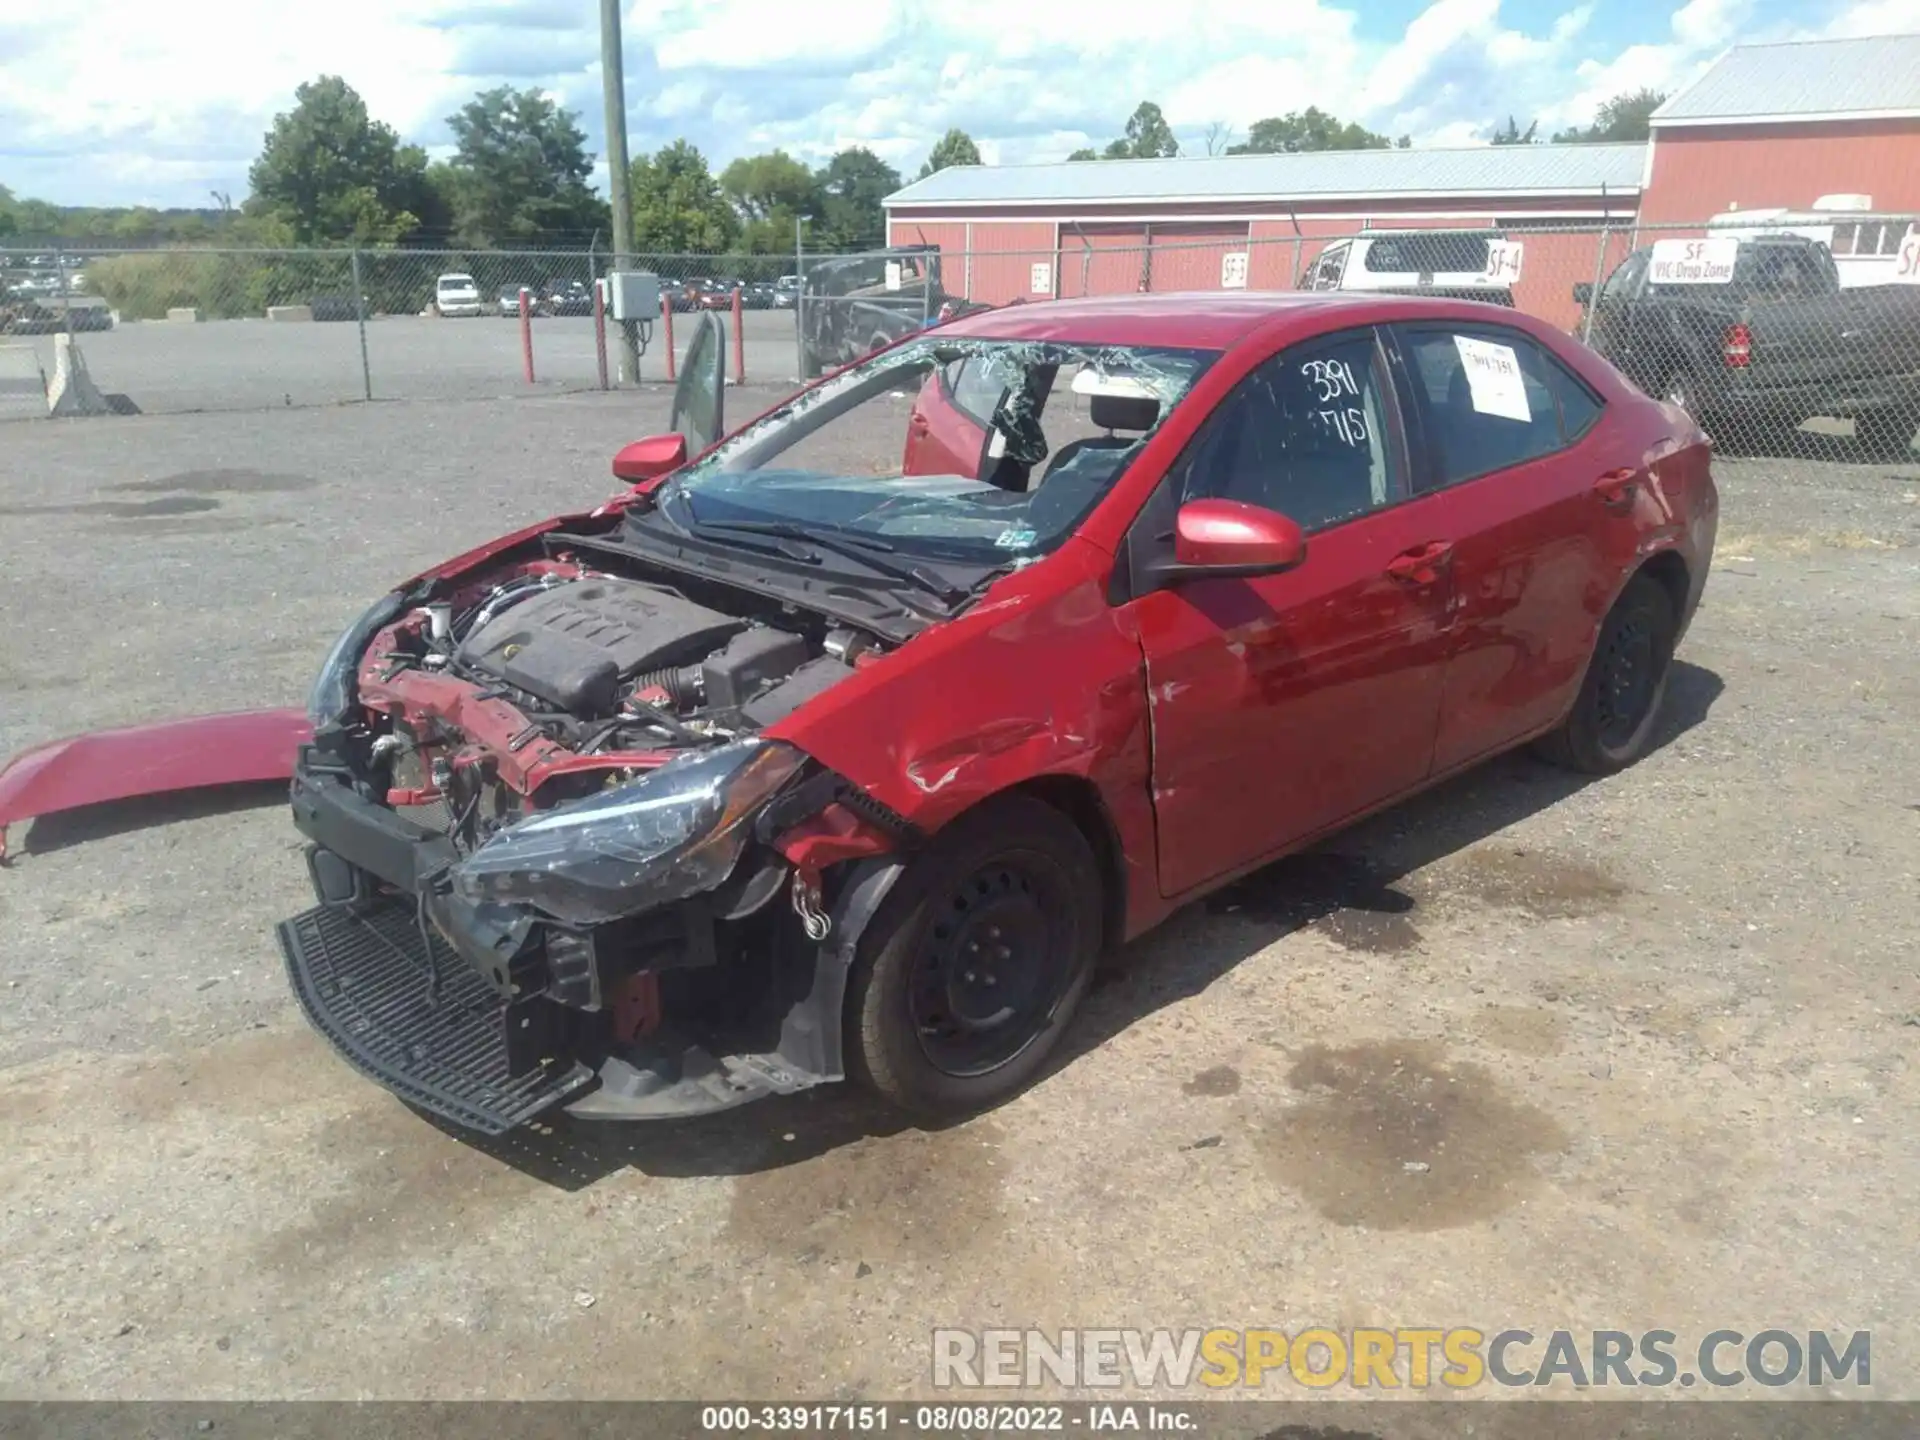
x,y
526,331
66,290
360,319
1593,295
739,341
666,321
600,330
799,303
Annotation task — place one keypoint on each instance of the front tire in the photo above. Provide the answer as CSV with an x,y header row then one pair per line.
x,y
976,963
1612,721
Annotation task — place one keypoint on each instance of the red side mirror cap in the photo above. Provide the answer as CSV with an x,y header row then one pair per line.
x,y
650,458
1230,536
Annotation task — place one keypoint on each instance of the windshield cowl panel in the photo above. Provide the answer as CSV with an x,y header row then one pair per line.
x,y
984,453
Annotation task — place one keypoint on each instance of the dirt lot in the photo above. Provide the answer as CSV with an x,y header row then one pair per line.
x,y
1653,1037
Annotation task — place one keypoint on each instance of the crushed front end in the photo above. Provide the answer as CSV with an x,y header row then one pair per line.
x,y
556,861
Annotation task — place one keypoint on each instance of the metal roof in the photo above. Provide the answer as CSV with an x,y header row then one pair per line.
x,y
1878,76
1491,170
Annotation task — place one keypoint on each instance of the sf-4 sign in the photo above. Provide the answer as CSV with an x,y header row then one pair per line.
x,y
1503,261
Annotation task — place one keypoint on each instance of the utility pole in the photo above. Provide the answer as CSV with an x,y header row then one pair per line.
x,y
613,84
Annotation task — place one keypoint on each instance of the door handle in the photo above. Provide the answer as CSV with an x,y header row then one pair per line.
x,y
1422,564
1616,489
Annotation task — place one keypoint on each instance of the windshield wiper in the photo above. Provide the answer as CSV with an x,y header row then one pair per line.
x,y
869,553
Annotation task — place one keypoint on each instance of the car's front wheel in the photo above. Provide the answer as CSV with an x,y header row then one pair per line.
x,y
1613,718
976,963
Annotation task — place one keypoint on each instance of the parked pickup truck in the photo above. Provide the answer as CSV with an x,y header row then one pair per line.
x,y
856,304
1753,333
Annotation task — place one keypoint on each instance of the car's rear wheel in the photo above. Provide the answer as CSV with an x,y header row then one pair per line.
x,y
1612,721
976,963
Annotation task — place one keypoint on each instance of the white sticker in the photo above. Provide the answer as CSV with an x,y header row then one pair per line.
x,y
1693,262
893,274
1233,270
1040,281
1493,375
1503,261
1018,538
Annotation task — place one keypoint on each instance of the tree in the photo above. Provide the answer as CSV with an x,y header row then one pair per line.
x,y
1512,134
852,186
9,222
1624,117
1085,152
1309,129
329,172
956,147
1219,135
764,186
677,204
1148,136
521,169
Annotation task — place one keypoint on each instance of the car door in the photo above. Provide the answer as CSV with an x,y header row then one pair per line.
x,y
1285,704
949,431
1541,492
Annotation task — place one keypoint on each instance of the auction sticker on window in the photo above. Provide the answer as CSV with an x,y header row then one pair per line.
x,y
1493,378
1693,262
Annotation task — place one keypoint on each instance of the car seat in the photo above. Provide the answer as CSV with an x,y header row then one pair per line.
x,y
1137,413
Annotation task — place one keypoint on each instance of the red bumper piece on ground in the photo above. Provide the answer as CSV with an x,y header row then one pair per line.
x,y
188,754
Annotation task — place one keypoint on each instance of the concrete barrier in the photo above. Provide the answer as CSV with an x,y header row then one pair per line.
x,y
23,385
289,312
72,391
184,314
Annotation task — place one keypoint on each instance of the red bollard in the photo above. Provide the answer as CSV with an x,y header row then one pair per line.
x,y
666,319
526,331
600,329
739,342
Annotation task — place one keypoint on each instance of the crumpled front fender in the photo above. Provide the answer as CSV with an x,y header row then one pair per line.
x,y
153,759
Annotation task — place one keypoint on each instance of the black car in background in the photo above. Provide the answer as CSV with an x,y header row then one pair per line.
x,y
569,297
856,304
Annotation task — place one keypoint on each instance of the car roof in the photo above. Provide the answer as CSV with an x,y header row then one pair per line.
x,y
1205,319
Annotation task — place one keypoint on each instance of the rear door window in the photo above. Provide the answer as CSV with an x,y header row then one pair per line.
x,y
1490,398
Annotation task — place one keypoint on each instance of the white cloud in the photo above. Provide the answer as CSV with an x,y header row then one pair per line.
x,y
163,102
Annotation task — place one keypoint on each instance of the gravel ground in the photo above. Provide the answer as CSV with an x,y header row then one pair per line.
x,y
1653,1036
258,364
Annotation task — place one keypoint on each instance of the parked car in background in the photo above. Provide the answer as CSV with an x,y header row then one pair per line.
x,y
455,294
1456,264
847,748
568,297
36,314
685,295
786,292
717,294
756,295
509,301
857,304
1753,333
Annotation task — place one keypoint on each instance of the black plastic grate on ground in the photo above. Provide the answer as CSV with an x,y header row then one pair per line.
x,y
363,981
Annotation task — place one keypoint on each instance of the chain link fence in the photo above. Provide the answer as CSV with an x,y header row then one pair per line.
x,y
1773,330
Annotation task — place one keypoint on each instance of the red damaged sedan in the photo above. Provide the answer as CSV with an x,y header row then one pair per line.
x,y
845,748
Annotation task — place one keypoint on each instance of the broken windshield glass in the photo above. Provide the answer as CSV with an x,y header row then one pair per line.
x,y
983,451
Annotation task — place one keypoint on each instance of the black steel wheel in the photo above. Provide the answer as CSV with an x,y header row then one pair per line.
x,y
1614,715
974,966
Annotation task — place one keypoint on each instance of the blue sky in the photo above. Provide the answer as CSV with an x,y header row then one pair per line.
x,y
165,103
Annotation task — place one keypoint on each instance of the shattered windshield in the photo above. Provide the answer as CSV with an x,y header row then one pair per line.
x,y
984,451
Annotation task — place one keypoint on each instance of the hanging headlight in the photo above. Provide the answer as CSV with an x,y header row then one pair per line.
x,y
673,832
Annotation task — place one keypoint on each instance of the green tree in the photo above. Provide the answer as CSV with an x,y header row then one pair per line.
x,y
851,187
330,172
1085,152
9,222
1624,117
956,147
521,169
766,187
1148,136
677,204
1511,133
1309,129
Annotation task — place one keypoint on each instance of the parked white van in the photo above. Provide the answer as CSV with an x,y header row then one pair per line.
x,y
457,295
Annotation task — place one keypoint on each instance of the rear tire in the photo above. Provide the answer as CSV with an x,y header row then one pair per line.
x,y
1612,721
975,965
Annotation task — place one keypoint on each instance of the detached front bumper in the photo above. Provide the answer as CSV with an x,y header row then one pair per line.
x,y
454,1009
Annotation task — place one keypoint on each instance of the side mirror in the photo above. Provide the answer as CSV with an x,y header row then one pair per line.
x,y
1227,539
1583,292
650,458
